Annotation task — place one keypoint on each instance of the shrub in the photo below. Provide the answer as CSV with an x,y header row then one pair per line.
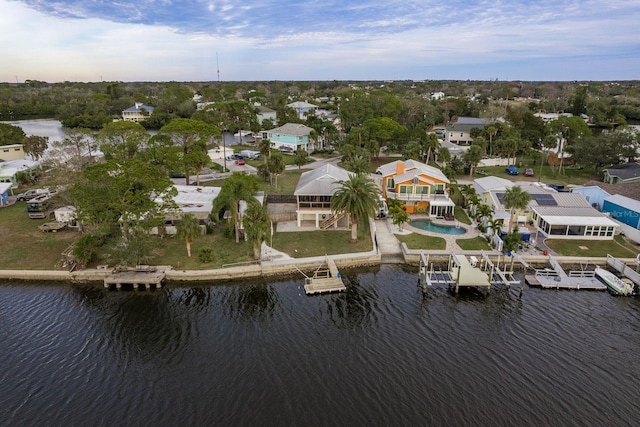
x,y
205,255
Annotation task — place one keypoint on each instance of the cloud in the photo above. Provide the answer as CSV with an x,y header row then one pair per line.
x,y
359,39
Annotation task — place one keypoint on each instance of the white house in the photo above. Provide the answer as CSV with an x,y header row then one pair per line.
x,y
303,108
138,113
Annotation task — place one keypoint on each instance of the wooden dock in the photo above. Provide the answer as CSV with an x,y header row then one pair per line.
x,y
140,277
325,279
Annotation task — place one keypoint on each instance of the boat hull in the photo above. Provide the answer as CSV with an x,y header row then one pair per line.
x,y
615,285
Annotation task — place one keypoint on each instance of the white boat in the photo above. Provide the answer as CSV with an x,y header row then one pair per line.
x,y
616,285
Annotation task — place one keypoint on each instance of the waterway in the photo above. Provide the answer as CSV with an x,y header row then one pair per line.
x,y
54,130
264,353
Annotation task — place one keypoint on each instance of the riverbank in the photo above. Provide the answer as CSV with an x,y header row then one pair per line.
x,y
289,267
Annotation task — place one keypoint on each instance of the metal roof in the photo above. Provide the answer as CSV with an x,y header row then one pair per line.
x,y
624,202
322,181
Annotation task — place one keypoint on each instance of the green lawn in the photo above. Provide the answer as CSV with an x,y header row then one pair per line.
x,y
594,248
287,182
322,242
24,247
173,251
420,241
547,174
461,216
474,244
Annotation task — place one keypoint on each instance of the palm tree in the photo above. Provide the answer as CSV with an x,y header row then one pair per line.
x,y
473,157
256,226
239,186
515,198
188,229
429,144
483,211
400,218
358,197
276,166
265,149
358,164
491,131
495,225
302,158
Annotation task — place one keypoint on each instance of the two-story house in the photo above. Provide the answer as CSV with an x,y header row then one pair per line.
x,y
422,188
459,132
313,197
138,113
264,113
303,109
292,137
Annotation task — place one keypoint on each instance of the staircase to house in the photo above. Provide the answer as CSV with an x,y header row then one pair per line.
x,y
330,220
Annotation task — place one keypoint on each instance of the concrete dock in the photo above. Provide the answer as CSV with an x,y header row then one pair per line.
x,y
145,277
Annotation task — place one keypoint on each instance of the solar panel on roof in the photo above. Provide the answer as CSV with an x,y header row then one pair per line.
x,y
544,199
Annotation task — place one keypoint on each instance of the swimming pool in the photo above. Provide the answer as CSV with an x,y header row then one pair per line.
x,y
427,225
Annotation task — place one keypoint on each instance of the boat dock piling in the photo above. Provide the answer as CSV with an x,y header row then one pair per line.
x,y
324,280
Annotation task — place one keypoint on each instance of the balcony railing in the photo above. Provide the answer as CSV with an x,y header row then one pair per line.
x,y
427,197
314,205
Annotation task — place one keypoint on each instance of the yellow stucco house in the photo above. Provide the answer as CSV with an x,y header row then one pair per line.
x,y
423,188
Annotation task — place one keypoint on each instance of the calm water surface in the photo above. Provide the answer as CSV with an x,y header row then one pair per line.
x,y
266,354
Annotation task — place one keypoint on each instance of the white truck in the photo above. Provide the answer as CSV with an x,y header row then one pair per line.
x,y
249,154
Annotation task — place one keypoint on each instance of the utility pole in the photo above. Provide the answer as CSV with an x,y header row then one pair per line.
x,y
218,67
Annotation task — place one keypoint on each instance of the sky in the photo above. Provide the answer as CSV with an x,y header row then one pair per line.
x,y
236,40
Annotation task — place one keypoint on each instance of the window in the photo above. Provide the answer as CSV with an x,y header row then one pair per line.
x,y
406,189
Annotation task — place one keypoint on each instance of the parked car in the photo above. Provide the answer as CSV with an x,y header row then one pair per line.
x,y
30,194
511,170
528,172
240,162
559,188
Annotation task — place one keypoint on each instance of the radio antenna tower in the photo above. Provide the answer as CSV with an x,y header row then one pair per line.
x,y
218,66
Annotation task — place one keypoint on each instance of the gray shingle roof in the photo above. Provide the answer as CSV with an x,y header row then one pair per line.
x,y
295,129
625,171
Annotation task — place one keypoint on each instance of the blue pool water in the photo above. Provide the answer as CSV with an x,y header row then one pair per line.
x,y
427,225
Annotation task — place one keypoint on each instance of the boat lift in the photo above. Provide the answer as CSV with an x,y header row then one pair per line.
x,y
464,272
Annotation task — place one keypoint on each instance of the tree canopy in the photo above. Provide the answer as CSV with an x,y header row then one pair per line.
x,y
358,197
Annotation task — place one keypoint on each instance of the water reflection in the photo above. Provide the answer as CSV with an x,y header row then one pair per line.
x,y
138,324
250,302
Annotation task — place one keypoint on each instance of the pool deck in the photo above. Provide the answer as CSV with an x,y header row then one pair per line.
x,y
452,246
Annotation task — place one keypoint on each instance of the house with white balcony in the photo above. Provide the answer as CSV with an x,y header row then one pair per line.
x,y
138,113
422,188
292,137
